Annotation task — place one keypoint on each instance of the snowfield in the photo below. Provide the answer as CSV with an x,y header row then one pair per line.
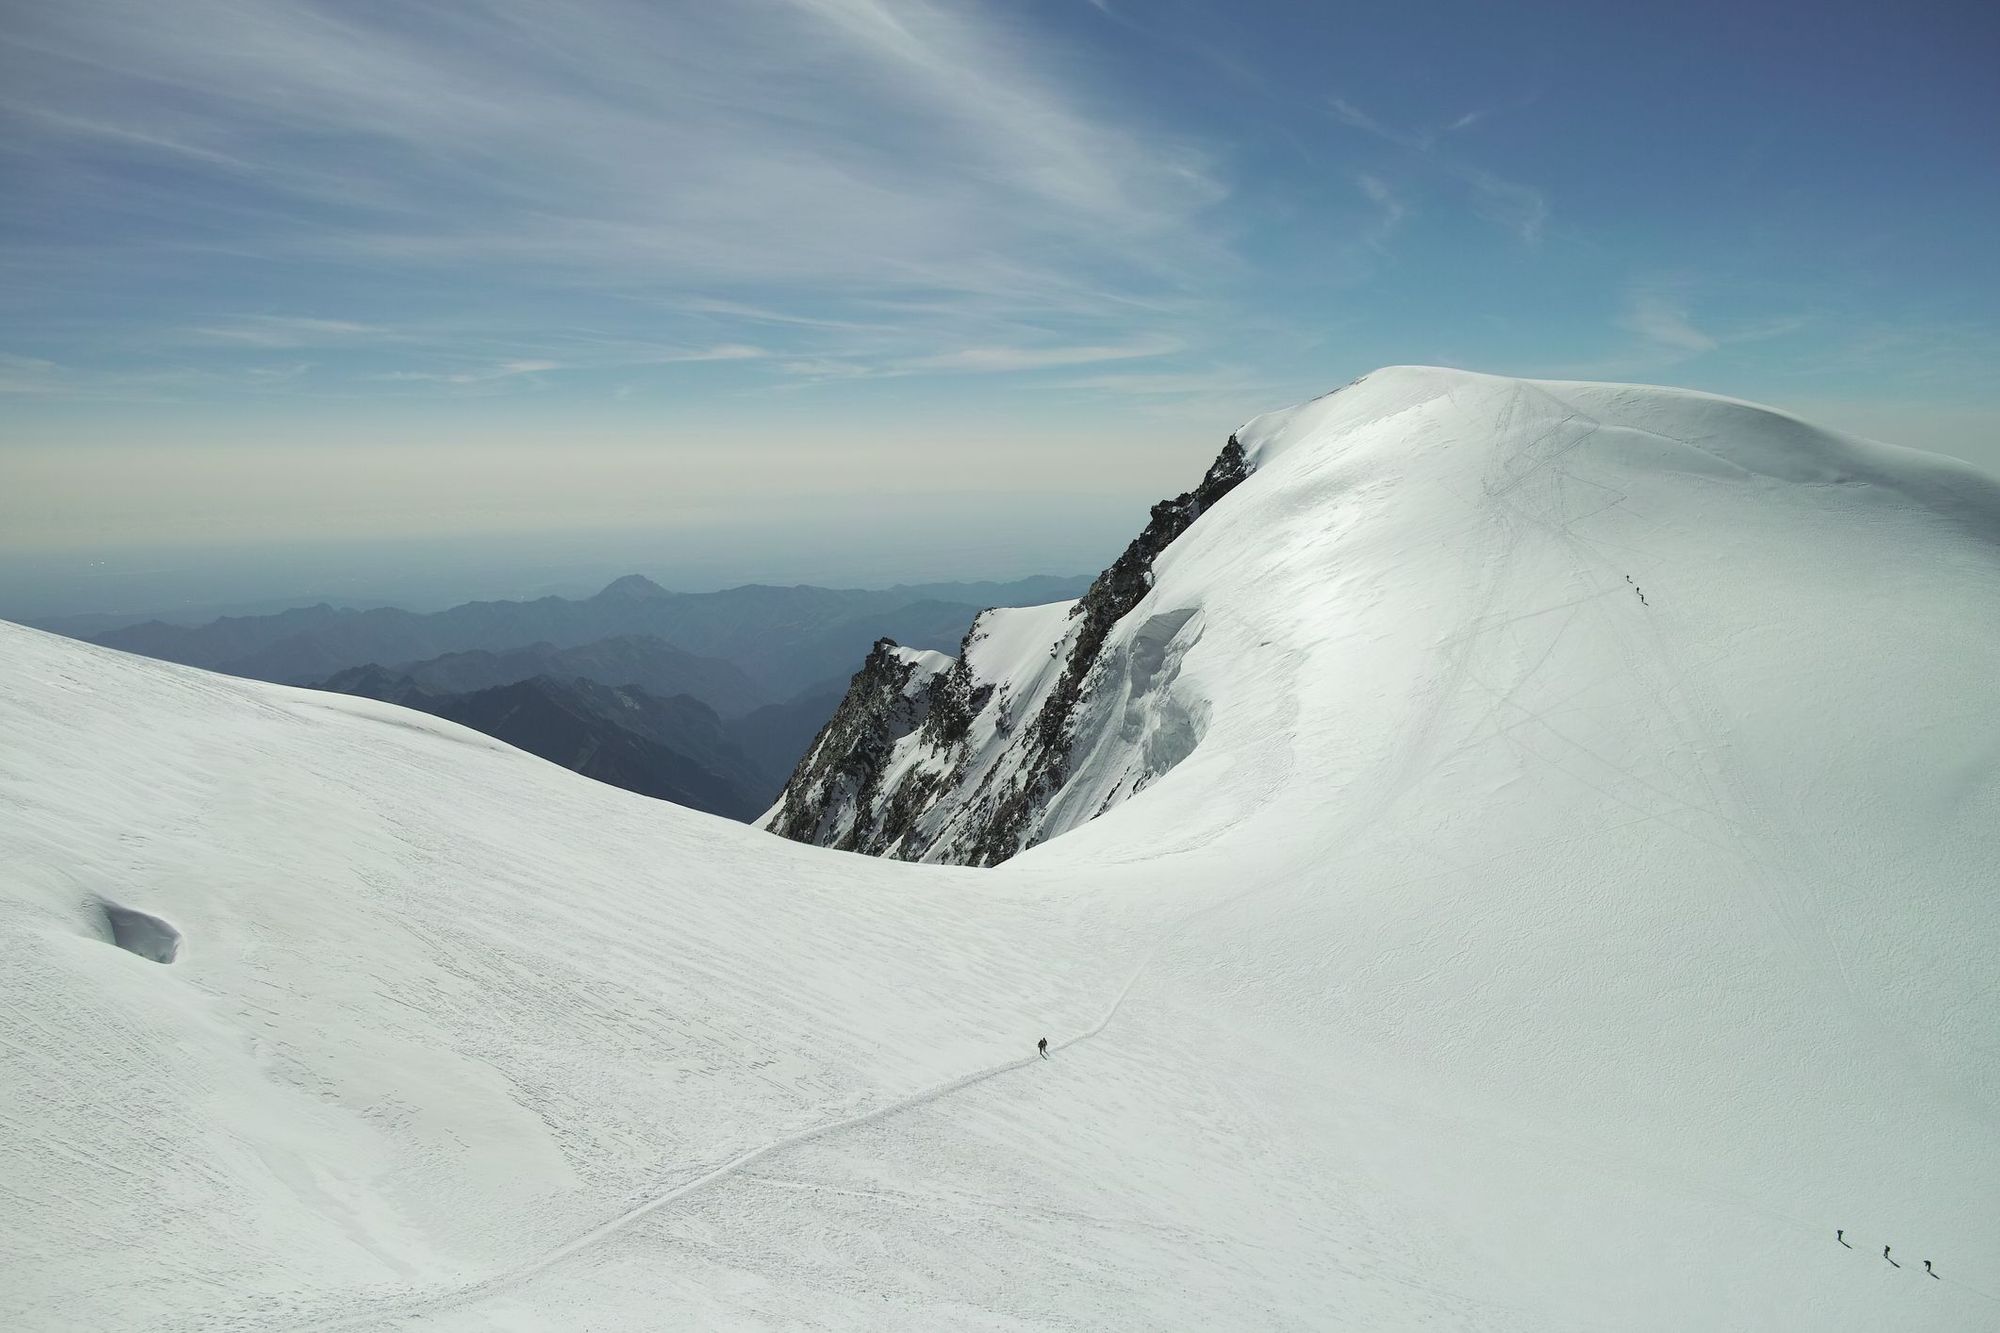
x,y
1562,893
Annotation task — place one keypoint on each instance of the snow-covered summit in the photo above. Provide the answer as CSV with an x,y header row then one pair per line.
x,y
1726,436
1053,719
1568,902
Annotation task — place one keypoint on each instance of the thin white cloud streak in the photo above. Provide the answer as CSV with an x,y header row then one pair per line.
x,y
1663,320
29,375
1659,312
1520,209
1393,209
506,370
41,378
286,331
832,145
1355,117
740,310
609,359
1238,385
98,129
1665,333
1475,117
989,360
821,369
993,359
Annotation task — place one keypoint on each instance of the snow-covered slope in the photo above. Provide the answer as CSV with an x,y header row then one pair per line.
x,y
1576,904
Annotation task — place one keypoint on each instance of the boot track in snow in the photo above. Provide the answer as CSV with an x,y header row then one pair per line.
x,y
515,1276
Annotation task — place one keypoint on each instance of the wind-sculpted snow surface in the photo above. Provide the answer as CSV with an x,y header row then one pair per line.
x,y
1571,904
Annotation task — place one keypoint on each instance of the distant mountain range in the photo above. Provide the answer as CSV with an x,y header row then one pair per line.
x,y
644,660
705,699
677,749
782,640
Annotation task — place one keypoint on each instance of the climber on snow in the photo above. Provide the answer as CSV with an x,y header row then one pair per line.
x,y
1043,1047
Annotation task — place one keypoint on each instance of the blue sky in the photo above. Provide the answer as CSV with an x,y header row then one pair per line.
x,y
286,270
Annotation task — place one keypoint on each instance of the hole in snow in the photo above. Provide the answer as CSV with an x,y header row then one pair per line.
x,y
141,932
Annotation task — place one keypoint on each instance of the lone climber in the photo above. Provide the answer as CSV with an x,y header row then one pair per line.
x,y
1927,1269
1043,1047
1885,1255
1841,1236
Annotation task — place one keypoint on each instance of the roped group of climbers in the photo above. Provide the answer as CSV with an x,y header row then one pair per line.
x,y
1841,1236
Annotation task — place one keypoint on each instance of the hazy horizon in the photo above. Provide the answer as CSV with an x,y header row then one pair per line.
x,y
512,283
846,539
201,582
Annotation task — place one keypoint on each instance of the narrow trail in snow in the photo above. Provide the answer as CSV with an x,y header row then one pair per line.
x,y
426,1305
419,1306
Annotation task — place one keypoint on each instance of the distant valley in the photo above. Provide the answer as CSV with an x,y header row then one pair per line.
x,y
704,699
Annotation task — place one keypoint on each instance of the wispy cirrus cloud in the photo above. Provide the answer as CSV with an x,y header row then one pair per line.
x,y
986,359
39,377
1659,312
775,161
29,375
483,375
1663,330
285,331
611,355
1392,209
990,360
1662,319
1521,209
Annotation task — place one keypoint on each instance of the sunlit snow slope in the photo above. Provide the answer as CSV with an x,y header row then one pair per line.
x,y
1578,902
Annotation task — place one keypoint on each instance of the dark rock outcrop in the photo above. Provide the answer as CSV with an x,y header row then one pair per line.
x,y
834,797
1115,592
838,796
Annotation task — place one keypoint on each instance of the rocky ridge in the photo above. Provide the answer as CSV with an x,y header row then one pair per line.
x,y
961,760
